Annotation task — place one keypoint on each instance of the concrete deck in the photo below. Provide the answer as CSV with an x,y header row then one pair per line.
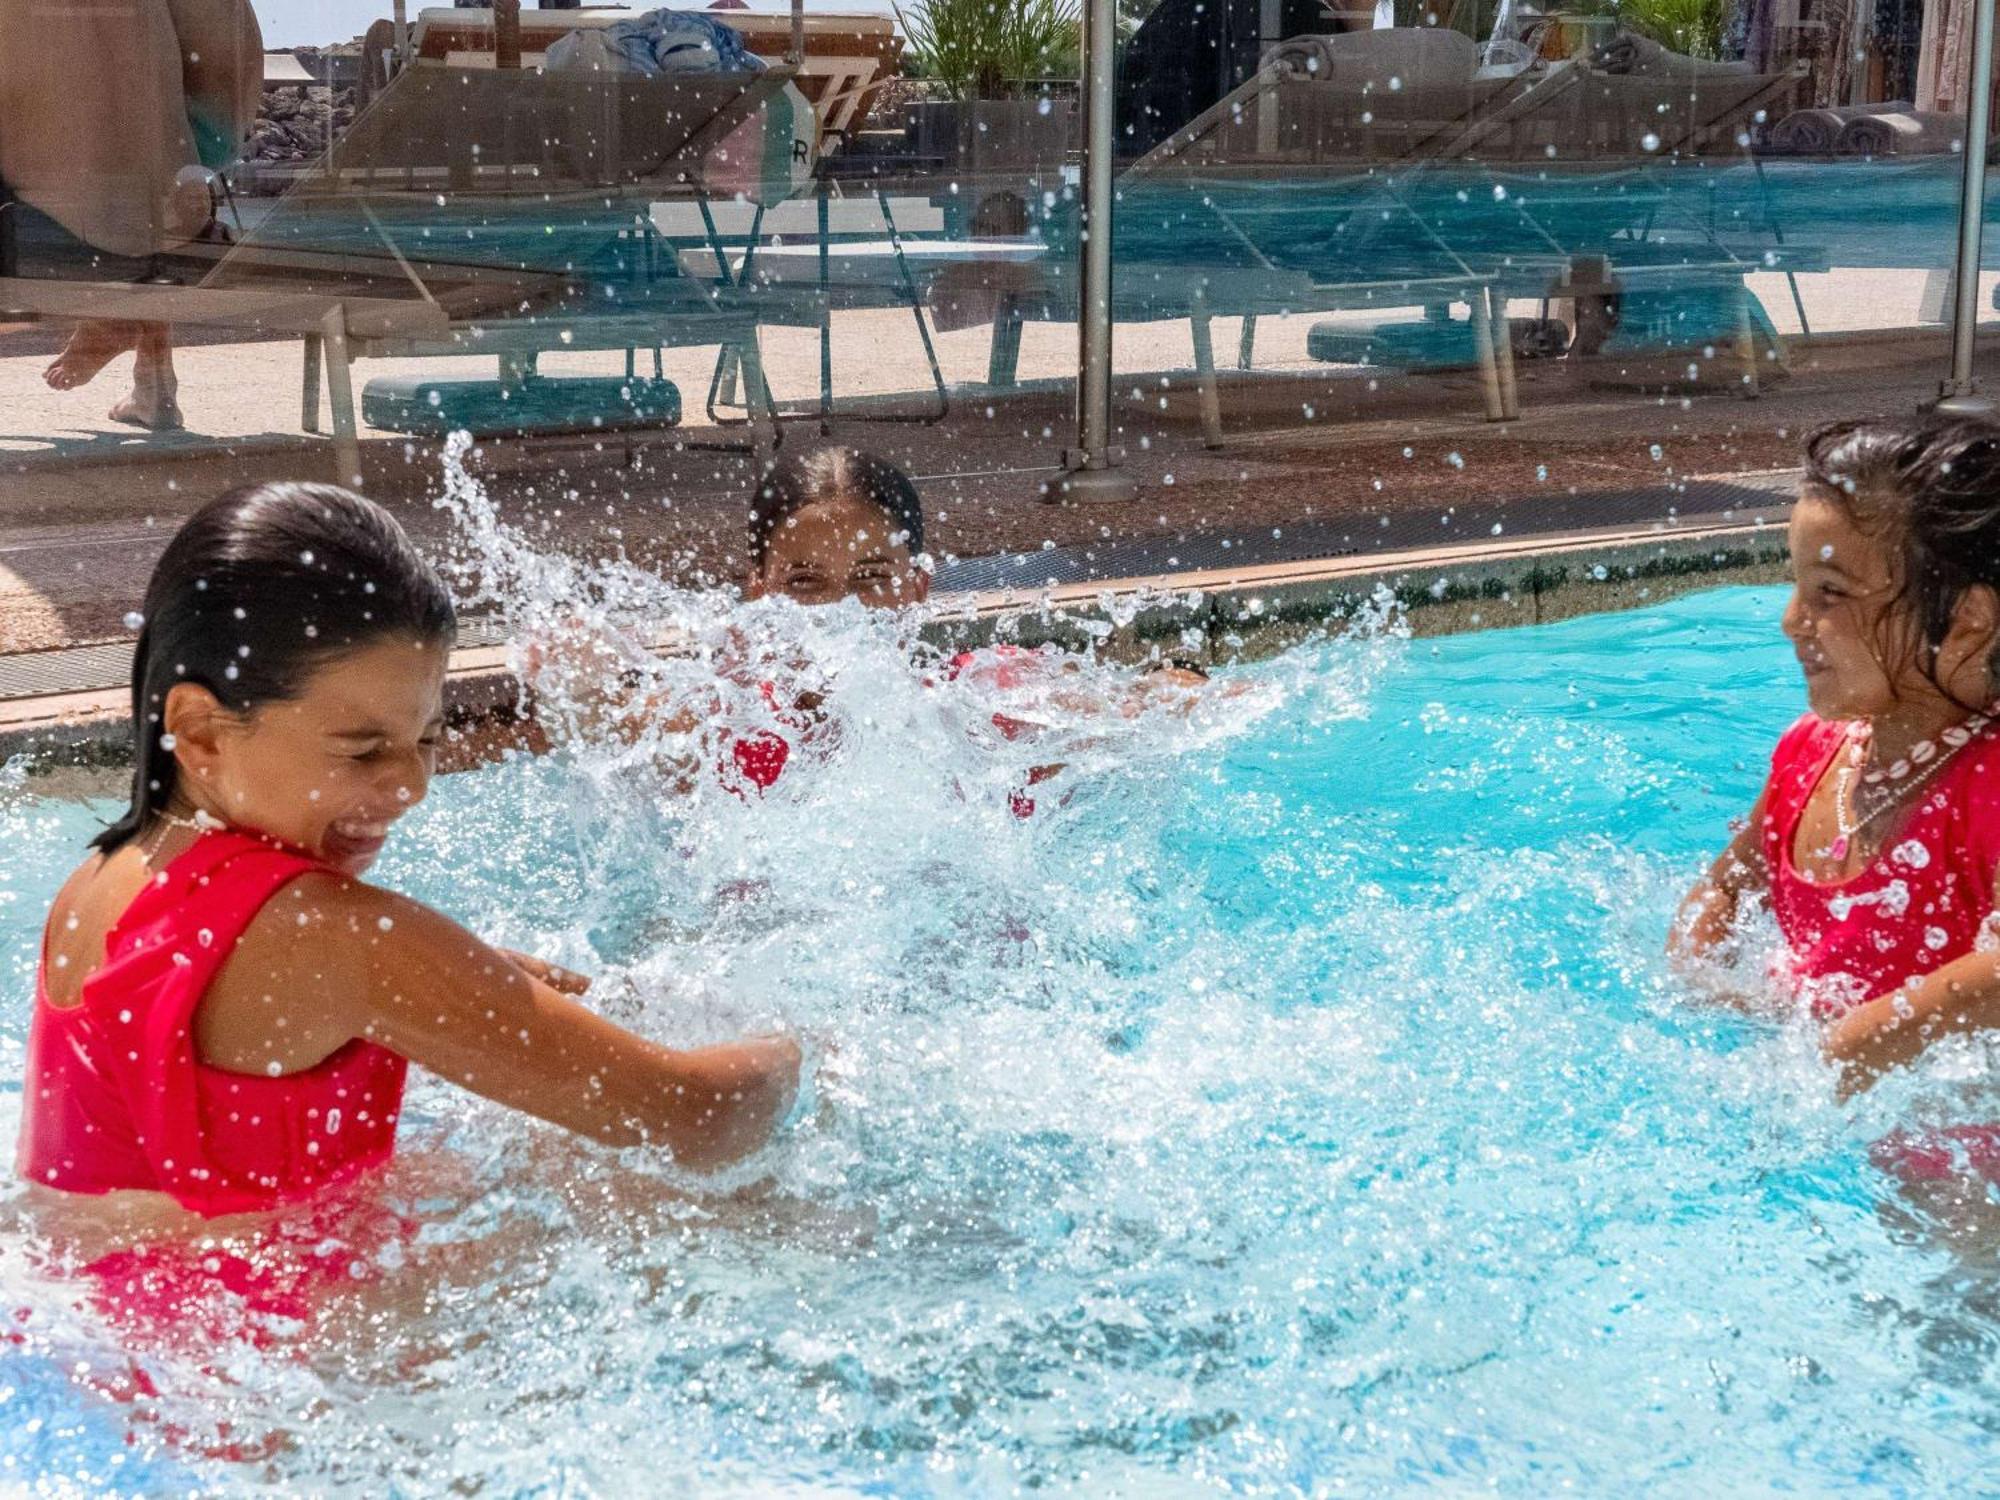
x,y
1330,473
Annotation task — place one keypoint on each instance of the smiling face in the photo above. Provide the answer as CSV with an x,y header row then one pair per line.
x,y
328,770
1839,616
842,548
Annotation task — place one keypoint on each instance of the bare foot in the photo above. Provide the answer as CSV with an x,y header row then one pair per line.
x,y
149,411
93,346
152,404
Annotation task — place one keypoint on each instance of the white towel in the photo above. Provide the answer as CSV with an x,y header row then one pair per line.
x,y
1905,133
1816,132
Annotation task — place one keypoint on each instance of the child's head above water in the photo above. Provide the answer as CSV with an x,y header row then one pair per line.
x,y
836,524
289,676
1896,552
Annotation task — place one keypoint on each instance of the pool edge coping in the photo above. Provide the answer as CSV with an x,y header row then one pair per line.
x,y
1238,613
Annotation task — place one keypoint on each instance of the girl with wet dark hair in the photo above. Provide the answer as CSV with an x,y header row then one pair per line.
x,y
1877,838
836,523
825,526
226,1008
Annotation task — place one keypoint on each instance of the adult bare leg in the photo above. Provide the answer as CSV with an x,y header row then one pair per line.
x,y
93,346
153,402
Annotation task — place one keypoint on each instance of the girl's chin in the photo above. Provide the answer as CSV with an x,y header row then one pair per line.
x,y
1824,698
350,856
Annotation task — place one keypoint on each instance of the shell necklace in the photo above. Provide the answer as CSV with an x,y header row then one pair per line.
x,y
1902,778
201,822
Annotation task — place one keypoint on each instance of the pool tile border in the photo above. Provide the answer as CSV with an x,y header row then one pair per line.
x,y
1214,617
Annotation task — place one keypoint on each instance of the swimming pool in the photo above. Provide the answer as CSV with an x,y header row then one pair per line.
x,y
1302,1107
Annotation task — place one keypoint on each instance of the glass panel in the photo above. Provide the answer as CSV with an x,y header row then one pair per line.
x,y
597,261
1471,211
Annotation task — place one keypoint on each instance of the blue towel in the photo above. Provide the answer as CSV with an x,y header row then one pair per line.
x,y
680,41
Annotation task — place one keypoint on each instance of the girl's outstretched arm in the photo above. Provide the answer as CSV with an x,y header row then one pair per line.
x,y
1894,1029
419,984
1707,918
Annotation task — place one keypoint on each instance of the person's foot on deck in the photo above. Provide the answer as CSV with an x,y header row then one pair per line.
x,y
93,346
154,402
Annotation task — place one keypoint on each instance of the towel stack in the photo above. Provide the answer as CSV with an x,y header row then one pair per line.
x,y
1892,129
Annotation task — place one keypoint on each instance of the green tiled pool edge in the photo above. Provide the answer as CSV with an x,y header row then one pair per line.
x,y
1217,616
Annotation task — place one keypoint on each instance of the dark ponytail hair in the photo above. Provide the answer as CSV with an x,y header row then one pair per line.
x,y
1928,487
256,591
833,473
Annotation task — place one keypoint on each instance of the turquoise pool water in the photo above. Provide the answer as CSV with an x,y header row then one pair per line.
x,y
1303,1107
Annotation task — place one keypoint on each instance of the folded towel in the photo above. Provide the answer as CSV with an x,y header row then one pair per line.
x,y
1906,133
1392,58
1816,132
1810,132
1630,53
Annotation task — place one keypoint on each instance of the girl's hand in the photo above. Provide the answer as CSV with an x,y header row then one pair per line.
x,y
1871,1039
1894,1029
1846,1046
555,976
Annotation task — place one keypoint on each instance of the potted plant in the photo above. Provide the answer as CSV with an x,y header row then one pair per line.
x,y
984,60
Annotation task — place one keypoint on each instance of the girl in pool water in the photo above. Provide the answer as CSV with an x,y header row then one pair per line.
x,y
225,1007
1876,840
826,526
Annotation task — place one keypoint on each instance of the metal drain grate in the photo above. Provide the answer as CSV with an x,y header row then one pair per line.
x,y
1350,536
92,669
84,669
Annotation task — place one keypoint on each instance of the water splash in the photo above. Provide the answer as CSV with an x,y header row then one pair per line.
x,y
1304,1097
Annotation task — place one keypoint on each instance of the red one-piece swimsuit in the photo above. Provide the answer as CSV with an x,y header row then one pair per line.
x,y
116,1098
758,759
1921,903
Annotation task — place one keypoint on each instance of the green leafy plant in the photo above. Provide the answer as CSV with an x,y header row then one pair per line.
x,y
987,49
1690,26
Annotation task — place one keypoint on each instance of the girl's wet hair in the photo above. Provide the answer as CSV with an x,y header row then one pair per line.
x,y
833,473
1928,488
259,588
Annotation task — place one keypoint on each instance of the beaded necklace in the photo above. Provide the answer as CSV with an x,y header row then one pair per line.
x,y
1902,778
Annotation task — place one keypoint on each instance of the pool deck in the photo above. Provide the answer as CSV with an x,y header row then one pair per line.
x,y
1473,523
1239,597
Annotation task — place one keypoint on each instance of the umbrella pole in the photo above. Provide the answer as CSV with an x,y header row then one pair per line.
x,y
1959,394
506,33
1092,469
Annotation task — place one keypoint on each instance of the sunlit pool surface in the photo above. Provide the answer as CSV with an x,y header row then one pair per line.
x,y
1304,1106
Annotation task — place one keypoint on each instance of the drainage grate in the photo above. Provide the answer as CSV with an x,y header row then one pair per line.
x,y
91,669
1351,536
83,669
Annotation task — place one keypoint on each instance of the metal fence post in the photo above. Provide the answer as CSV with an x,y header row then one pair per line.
x,y
1092,469
1959,393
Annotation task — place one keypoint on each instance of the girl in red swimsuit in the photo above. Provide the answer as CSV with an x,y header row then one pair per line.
x,y
828,525
1876,841
225,1007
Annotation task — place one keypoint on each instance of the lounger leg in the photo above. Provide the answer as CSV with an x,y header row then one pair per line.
x,y
758,398
1003,363
1200,324
340,387
1246,347
1503,354
826,315
1746,341
727,360
309,395
1489,365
